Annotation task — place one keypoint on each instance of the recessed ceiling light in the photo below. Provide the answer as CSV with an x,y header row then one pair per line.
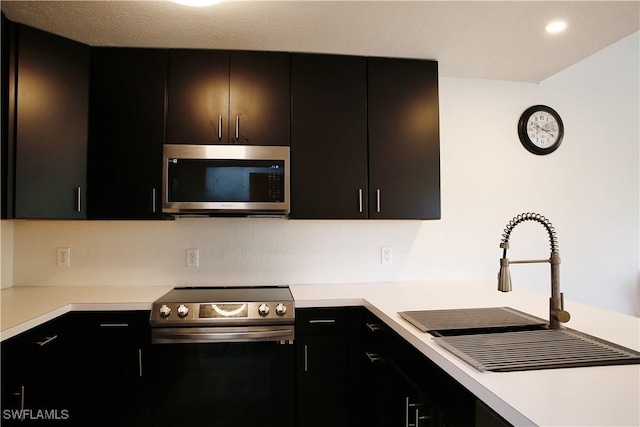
x,y
556,27
197,3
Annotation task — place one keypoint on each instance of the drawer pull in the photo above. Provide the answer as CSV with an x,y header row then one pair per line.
x,y
46,341
374,357
114,325
322,321
373,327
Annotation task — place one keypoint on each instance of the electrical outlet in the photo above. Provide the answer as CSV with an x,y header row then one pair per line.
x,y
64,257
193,257
386,255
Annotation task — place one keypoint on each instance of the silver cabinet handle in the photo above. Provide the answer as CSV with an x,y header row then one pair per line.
x,y
220,126
326,321
374,357
114,325
237,127
378,199
153,200
140,362
360,199
78,199
306,358
47,340
406,411
374,327
21,394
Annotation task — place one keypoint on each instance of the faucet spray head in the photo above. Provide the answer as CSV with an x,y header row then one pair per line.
x,y
504,276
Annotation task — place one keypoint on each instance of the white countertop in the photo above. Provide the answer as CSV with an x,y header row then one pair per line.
x,y
593,396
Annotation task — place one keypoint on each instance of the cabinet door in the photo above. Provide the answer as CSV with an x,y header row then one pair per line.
x,y
404,160
259,110
38,384
113,388
51,131
197,97
328,137
126,133
322,381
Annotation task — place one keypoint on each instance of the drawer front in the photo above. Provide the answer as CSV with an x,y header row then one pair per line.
x,y
322,321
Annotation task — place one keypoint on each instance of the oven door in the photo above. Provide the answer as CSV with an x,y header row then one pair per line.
x,y
224,380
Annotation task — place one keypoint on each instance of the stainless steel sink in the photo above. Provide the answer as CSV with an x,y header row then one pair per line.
x,y
503,339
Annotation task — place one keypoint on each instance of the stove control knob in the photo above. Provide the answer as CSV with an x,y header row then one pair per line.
x,y
281,309
263,309
165,311
183,310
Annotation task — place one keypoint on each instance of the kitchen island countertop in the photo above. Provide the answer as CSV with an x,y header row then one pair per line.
x,y
593,396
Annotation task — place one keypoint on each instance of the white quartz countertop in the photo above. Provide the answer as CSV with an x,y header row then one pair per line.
x,y
28,306
591,396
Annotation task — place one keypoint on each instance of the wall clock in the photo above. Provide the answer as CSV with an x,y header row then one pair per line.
x,y
540,129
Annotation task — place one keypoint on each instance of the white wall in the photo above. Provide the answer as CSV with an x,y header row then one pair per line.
x,y
589,188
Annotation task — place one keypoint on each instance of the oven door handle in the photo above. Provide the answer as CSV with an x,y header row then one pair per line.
x,y
221,334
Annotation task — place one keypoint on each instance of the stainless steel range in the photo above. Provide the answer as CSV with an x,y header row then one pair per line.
x,y
224,356
194,314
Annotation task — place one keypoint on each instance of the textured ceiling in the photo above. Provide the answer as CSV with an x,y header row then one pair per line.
x,y
502,40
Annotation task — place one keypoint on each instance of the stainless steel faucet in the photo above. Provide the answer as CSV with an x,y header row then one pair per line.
x,y
557,314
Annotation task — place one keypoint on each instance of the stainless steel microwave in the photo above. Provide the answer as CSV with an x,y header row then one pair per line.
x,y
225,180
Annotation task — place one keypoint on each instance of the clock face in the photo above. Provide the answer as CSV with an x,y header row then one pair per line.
x,y
542,129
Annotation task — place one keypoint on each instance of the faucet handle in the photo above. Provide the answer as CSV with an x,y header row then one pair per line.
x,y
562,315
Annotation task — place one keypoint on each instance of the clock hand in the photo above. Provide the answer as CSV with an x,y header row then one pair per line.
x,y
544,130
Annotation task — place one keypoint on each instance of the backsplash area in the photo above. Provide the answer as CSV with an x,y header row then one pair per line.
x,y
231,251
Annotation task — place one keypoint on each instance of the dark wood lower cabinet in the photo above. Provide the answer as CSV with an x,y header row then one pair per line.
x,y
402,387
91,369
325,367
38,386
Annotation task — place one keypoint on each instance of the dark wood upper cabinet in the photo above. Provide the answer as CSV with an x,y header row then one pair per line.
x,y
52,97
404,149
126,133
220,97
328,137
364,138
197,97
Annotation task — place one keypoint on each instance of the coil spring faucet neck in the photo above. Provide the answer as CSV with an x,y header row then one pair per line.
x,y
557,314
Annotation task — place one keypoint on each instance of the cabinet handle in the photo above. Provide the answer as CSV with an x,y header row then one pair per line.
x,y
78,199
378,199
374,327
220,126
237,127
406,412
306,358
374,357
21,394
140,362
321,321
360,199
114,325
46,341
153,200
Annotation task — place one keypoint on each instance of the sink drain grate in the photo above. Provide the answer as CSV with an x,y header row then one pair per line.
x,y
529,350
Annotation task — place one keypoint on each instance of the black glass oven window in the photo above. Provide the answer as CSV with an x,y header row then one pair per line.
x,y
203,180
